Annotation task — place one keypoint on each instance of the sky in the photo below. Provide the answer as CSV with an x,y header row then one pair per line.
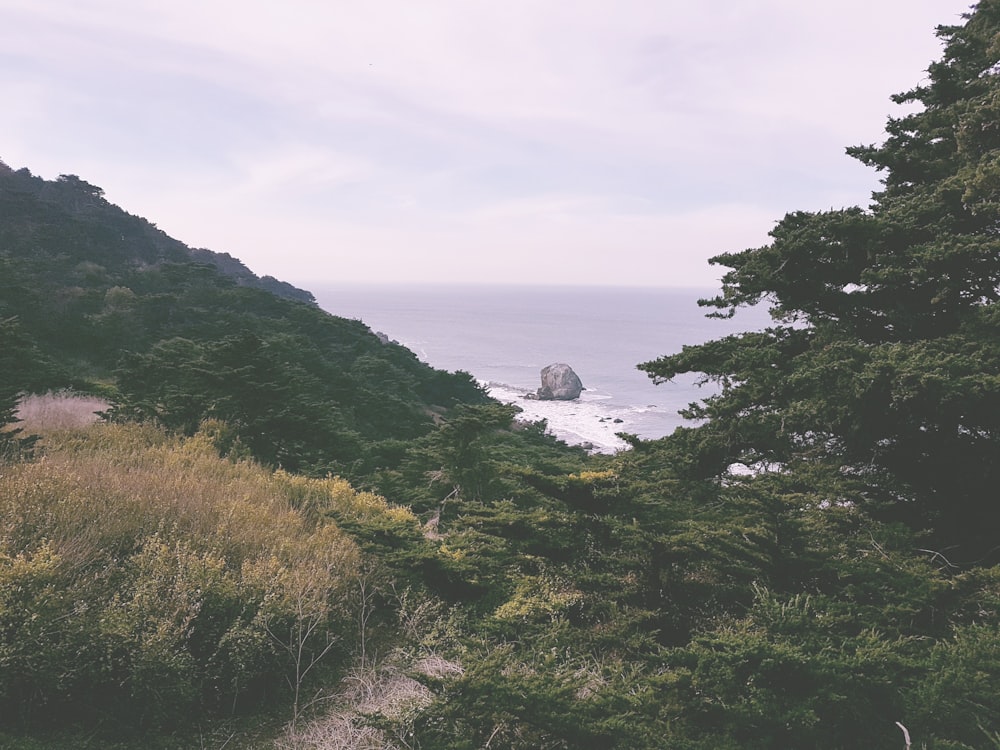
x,y
611,142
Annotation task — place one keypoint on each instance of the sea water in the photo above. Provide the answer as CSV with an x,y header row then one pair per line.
x,y
505,335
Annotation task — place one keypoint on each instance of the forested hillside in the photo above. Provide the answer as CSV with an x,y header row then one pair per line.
x,y
105,301
291,535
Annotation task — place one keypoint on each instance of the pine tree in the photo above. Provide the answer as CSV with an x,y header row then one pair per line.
x,y
885,355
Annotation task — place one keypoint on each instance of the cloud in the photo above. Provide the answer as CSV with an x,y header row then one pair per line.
x,y
436,138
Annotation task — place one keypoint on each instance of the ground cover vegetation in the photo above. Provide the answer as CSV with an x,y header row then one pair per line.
x,y
288,534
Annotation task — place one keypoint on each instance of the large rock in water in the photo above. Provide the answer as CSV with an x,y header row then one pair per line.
x,y
559,383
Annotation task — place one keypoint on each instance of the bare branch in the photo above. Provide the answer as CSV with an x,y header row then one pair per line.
x,y
906,735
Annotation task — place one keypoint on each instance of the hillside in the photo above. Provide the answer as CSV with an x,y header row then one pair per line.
x,y
107,300
71,215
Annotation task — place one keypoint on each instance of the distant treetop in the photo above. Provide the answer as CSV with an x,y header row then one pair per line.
x,y
75,182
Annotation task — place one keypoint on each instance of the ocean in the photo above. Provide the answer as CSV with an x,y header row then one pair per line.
x,y
505,335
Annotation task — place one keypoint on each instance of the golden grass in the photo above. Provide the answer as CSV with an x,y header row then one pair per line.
x,y
98,492
147,541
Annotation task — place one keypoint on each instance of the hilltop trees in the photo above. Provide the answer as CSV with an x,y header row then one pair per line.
x,y
886,352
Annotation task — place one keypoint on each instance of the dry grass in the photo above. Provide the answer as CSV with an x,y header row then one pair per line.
x,y
123,534
97,492
336,732
106,496
59,410
386,692
438,667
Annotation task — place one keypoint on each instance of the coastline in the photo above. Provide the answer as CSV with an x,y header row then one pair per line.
x,y
587,420
504,335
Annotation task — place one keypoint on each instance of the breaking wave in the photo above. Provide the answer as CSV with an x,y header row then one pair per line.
x,y
591,419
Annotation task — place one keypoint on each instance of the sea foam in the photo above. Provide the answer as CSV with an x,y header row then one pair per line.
x,y
590,419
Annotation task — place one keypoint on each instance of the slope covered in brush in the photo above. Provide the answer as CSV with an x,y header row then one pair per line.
x,y
184,335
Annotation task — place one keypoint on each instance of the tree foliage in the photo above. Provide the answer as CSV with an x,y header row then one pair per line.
x,y
17,366
885,355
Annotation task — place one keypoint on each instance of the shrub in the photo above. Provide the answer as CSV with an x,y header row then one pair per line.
x,y
144,579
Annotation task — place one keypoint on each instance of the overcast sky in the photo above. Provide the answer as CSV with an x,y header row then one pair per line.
x,y
547,141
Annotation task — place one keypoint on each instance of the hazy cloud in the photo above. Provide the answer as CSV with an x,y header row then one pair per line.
x,y
549,141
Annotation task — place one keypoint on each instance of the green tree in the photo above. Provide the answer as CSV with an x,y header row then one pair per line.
x,y
16,358
886,348
282,400
463,443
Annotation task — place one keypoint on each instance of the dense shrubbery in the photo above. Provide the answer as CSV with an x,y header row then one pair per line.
x,y
146,582
15,364
771,616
